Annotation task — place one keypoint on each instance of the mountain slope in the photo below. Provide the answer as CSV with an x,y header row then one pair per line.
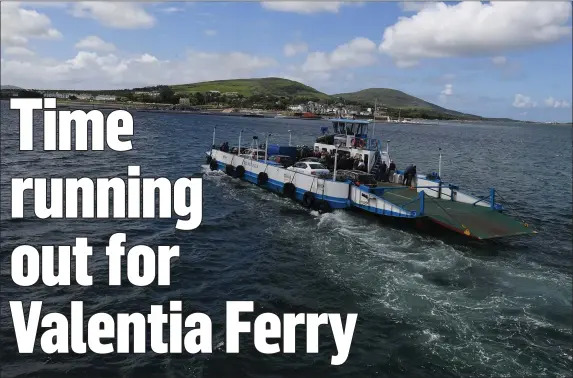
x,y
392,98
13,87
273,86
270,86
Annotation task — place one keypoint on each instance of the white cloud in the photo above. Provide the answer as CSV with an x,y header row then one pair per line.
x,y
303,7
499,60
474,29
95,43
359,52
292,49
446,92
172,10
114,15
89,70
415,6
210,33
522,101
18,25
18,50
553,103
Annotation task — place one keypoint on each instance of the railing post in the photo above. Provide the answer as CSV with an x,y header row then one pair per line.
x,y
492,197
421,195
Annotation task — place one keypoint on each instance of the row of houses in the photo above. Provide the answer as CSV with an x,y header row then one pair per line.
x,y
334,109
79,96
225,94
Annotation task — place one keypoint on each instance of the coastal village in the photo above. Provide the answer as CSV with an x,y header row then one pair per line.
x,y
217,101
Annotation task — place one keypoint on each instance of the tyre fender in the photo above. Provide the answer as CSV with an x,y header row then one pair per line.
x,y
289,190
307,199
262,178
240,171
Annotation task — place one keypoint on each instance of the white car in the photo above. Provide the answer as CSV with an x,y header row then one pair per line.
x,y
310,168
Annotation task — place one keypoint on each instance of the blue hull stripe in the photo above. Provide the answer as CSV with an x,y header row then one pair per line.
x,y
334,202
277,186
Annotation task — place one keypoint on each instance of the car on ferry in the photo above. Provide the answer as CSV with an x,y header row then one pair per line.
x,y
356,177
310,160
284,160
310,168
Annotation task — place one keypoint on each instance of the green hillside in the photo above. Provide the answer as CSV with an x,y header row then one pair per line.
x,y
392,98
271,86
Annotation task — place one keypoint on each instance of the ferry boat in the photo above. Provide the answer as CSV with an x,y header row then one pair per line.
x,y
426,203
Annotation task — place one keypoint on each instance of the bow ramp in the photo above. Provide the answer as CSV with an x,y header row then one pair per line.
x,y
467,215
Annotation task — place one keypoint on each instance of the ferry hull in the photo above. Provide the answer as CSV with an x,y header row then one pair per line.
x,y
332,192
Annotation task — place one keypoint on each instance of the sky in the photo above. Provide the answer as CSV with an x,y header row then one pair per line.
x,y
497,59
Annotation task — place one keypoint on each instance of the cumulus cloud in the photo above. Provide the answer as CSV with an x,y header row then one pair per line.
x,y
303,7
292,49
553,103
475,29
91,70
18,50
18,25
172,10
414,6
114,15
359,52
499,60
95,43
522,101
446,92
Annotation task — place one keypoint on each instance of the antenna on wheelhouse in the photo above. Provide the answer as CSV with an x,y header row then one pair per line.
x,y
267,147
289,138
335,162
440,164
255,142
213,136
240,135
374,118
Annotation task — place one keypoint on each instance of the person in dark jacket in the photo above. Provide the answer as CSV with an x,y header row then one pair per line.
x,y
391,171
382,172
407,179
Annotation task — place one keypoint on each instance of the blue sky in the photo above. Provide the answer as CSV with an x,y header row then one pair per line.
x,y
504,59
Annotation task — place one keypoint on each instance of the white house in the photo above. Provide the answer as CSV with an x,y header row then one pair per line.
x,y
296,108
105,98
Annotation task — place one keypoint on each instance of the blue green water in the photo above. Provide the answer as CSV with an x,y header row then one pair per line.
x,y
426,307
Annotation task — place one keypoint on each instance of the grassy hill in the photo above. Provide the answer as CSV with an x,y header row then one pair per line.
x,y
274,86
271,86
13,87
393,98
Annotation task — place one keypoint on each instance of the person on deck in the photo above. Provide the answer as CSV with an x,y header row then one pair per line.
x,y
391,171
407,179
413,176
361,166
382,174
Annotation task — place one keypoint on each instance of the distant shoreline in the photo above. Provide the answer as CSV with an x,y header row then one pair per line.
x,y
164,108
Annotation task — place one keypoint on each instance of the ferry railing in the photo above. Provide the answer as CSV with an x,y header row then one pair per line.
x,y
491,198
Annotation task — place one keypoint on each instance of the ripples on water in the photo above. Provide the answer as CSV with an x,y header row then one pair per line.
x,y
427,307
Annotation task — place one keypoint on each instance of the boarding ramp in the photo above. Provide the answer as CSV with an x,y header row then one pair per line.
x,y
471,219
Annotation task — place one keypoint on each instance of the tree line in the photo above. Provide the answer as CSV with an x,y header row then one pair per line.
x,y
166,95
